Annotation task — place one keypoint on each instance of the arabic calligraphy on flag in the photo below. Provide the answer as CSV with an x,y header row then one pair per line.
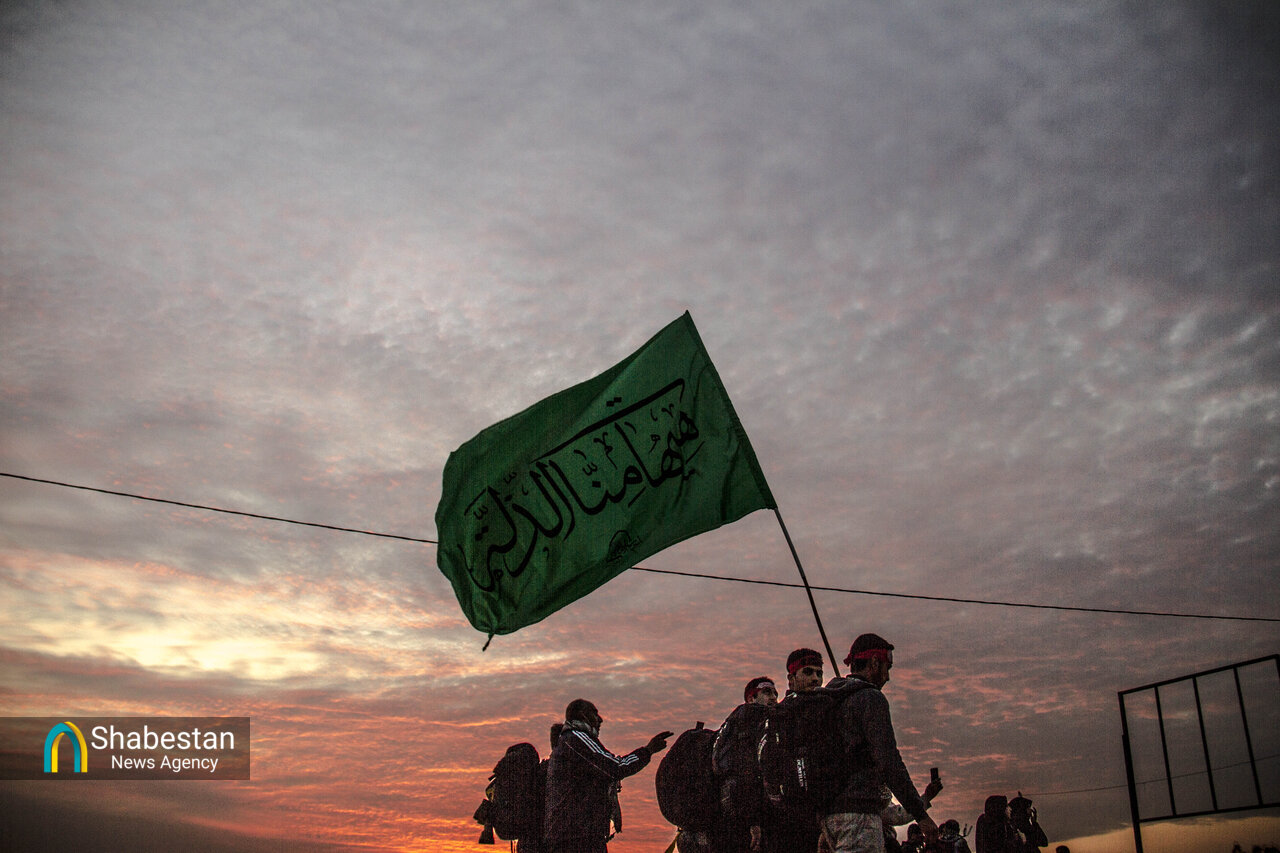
x,y
542,508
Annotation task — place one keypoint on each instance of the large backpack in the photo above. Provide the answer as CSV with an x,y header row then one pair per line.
x,y
687,790
514,799
736,767
803,761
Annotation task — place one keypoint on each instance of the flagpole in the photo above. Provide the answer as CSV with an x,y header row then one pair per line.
x,y
835,668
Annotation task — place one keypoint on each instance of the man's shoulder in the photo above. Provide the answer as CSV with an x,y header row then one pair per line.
x,y
576,740
855,694
844,687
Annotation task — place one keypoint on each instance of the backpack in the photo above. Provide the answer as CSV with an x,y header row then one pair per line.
x,y
735,764
738,741
803,761
687,789
515,797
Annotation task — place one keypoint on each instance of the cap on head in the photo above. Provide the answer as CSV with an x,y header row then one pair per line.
x,y
753,687
868,646
801,658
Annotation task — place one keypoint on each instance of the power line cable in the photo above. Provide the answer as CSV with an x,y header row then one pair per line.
x,y
845,590
218,509
1120,611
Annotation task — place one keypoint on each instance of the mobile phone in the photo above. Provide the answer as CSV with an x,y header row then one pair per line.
x,y
933,774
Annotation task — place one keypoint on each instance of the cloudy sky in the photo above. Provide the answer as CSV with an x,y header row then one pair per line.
x,y
993,288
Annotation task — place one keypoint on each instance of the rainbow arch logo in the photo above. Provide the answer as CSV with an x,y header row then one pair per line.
x,y
78,747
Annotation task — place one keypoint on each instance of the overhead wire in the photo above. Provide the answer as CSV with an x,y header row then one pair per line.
x,y
207,508
956,600
702,575
1162,779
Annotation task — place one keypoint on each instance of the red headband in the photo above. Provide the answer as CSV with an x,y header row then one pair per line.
x,y
807,660
868,654
751,694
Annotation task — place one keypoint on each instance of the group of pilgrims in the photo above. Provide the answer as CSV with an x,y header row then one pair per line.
x,y
816,770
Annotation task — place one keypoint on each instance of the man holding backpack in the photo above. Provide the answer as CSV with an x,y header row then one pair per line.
x,y
581,779
851,822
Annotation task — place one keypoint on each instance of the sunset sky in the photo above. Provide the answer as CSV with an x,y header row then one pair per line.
x,y
994,288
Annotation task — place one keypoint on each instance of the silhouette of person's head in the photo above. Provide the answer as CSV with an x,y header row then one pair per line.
x,y
582,711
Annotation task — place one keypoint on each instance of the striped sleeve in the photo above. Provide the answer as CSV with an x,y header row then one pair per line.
x,y
615,766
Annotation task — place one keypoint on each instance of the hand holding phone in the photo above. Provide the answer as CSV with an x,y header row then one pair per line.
x,y
935,785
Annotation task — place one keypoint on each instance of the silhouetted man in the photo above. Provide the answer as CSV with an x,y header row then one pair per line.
x,y
583,778
852,821
798,830
743,806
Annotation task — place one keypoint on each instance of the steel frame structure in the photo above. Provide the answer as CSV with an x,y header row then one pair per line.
x,y
1194,678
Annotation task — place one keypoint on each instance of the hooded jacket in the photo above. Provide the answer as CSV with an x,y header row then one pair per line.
x,y
993,833
862,715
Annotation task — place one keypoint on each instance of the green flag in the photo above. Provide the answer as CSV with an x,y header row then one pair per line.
x,y
542,508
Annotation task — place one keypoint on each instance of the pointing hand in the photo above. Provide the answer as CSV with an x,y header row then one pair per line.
x,y
658,742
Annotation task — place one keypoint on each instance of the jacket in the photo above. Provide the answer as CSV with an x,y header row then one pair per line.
x,y
866,730
582,777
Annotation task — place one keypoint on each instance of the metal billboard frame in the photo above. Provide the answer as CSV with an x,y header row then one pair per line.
x,y
1194,678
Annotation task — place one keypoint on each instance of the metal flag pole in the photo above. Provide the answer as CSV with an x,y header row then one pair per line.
x,y
835,667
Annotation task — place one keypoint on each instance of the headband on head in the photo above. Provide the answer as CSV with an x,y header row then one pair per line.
x,y
755,687
867,654
803,661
